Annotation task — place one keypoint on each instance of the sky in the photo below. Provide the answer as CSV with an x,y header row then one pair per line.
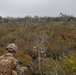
x,y
22,8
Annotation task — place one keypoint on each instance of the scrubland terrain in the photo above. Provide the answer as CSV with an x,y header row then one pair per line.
x,y
47,45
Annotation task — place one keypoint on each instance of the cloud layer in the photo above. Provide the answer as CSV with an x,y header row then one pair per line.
x,y
22,8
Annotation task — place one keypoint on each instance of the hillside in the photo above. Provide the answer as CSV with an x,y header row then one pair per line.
x,y
47,45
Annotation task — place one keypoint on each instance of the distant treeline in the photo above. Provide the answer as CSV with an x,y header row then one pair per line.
x,y
35,19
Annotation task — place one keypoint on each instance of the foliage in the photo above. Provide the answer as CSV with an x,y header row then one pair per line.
x,y
47,44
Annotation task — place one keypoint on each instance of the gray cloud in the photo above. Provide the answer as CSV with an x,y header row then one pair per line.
x,y
22,8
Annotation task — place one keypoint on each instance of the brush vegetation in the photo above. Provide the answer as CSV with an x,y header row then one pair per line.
x,y
47,45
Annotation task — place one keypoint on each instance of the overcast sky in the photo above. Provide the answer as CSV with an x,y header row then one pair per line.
x,y
22,8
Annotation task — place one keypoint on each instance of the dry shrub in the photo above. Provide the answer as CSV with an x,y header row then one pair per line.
x,y
25,59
